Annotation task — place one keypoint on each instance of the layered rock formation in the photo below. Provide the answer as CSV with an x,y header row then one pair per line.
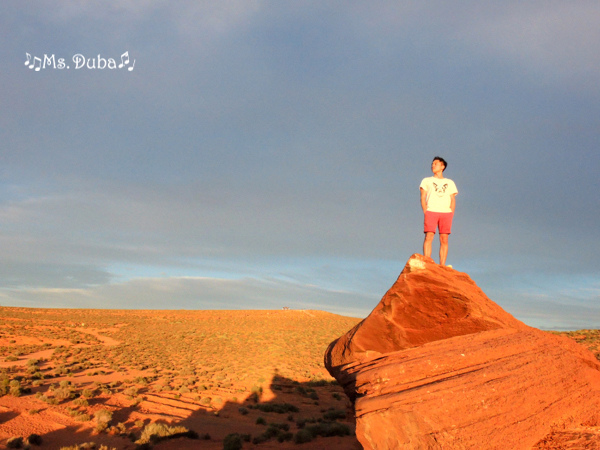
x,y
438,365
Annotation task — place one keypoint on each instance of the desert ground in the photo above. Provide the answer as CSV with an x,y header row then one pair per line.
x,y
123,379
127,379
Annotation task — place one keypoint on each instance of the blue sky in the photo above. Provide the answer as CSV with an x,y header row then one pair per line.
x,y
263,154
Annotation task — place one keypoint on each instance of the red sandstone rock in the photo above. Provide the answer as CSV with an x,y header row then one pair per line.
x,y
438,365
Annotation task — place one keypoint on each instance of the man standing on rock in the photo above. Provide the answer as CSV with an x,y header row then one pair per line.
x,y
438,200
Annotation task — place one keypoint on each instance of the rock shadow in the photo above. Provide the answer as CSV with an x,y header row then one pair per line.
x,y
284,413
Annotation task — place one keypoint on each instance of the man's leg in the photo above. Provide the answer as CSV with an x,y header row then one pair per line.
x,y
443,248
427,244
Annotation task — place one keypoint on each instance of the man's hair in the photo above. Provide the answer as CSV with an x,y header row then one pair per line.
x,y
442,160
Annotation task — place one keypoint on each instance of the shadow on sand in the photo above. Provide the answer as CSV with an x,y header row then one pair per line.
x,y
287,414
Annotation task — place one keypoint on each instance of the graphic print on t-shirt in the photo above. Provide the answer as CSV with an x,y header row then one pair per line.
x,y
440,190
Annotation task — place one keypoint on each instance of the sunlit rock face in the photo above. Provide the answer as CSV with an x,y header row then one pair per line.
x,y
438,365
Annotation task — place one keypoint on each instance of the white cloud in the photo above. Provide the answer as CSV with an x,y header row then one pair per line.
x,y
196,293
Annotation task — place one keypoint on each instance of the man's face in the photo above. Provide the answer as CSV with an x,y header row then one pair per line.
x,y
437,166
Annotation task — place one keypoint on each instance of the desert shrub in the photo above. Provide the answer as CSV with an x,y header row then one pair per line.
x,y
233,441
301,423
300,390
34,439
334,414
82,417
46,399
328,429
131,392
103,418
61,370
15,442
261,421
120,428
141,380
243,411
63,393
283,437
303,436
87,393
4,388
15,388
156,432
81,402
87,446
280,431
278,426
279,408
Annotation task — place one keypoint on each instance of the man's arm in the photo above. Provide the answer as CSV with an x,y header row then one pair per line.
x,y
453,202
423,200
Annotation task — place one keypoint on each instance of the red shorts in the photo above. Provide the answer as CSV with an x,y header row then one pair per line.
x,y
435,219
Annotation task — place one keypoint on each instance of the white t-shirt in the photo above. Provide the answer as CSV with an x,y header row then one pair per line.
x,y
439,192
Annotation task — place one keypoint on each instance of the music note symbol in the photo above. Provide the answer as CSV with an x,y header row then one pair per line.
x,y
28,59
133,65
35,64
124,59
